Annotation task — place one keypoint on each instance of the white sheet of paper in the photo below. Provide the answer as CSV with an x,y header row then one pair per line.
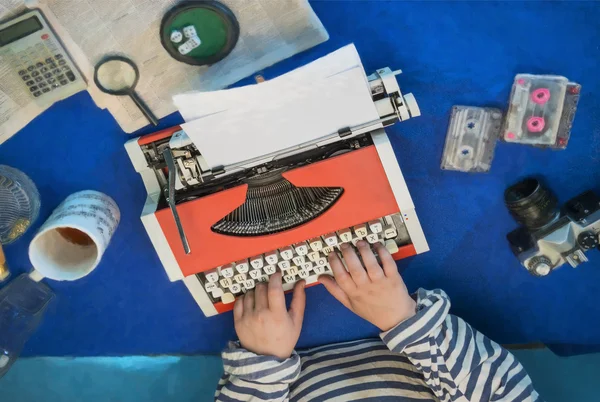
x,y
194,105
309,103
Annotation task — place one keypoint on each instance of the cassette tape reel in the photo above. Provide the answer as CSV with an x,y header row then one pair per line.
x,y
541,110
471,138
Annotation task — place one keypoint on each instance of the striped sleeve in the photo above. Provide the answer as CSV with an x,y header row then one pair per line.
x,y
458,363
251,377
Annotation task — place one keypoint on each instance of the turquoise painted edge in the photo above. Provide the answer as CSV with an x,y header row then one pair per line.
x,y
101,379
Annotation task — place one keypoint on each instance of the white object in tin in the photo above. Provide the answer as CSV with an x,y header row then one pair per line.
x,y
541,110
185,48
189,45
471,138
194,41
176,36
70,244
189,31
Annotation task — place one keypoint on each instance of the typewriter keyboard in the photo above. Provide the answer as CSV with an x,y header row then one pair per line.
x,y
305,260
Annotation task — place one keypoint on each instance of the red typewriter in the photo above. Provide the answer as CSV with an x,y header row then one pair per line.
x,y
223,231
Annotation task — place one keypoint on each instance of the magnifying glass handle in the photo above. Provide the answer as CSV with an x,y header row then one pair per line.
x,y
144,108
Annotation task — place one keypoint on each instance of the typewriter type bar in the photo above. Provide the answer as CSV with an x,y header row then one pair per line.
x,y
284,213
277,206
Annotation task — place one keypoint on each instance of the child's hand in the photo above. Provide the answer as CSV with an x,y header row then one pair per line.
x,y
376,294
262,321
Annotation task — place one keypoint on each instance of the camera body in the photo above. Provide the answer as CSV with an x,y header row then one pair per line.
x,y
551,237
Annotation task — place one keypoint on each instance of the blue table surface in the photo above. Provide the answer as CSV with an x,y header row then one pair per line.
x,y
451,53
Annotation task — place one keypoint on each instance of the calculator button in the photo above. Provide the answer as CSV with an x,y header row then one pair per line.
x,y
49,60
55,85
38,79
31,82
64,82
60,77
52,65
62,62
36,94
43,69
41,84
35,74
30,68
51,80
33,88
58,56
22,72
71,76
44,90
48,75
39,64
66,68
26,77
57,71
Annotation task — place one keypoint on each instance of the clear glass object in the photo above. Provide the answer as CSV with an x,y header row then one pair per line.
x,y
19,203
22,305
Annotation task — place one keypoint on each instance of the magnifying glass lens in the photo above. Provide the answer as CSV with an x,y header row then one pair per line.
x,y
116,75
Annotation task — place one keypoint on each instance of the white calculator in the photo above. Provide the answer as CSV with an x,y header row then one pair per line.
x,y
37,59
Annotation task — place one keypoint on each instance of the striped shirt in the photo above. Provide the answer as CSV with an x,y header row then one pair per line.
x,y
432,356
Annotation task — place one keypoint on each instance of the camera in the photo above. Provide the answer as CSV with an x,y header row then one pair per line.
x,y
550,237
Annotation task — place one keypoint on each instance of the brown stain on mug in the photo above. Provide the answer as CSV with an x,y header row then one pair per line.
x,y
75,236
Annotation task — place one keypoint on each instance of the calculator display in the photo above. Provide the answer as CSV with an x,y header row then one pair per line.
x,y
19,30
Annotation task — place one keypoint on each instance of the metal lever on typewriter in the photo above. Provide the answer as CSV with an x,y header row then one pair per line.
x,y
169,192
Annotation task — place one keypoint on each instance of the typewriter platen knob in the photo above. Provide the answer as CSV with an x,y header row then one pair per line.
x,y
587,240
540,266
412,105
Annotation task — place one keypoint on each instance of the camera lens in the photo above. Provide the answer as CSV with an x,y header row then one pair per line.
x,y
531,204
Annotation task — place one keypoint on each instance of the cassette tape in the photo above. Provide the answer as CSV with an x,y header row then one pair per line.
x,y
541,110
471,138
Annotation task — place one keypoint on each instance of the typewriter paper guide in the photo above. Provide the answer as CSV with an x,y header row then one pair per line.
x,y
302,106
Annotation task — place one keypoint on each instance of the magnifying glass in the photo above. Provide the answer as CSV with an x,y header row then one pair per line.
x,y
117,75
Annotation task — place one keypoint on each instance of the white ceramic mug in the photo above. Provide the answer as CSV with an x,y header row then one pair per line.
x,y
70,244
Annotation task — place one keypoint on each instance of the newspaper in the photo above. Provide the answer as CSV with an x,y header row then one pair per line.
x,y
270,31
